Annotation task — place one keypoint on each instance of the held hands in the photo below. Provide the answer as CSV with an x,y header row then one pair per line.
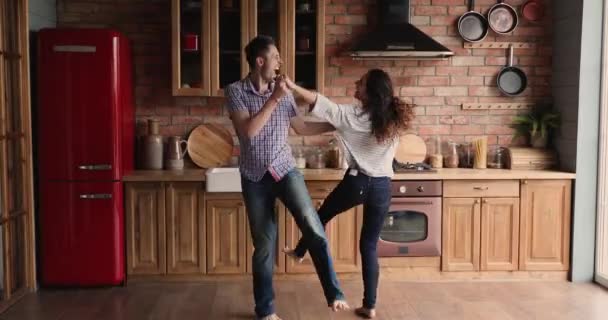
x,y
281,88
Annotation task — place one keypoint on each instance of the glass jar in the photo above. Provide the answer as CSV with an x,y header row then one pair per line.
x,y
300,159
495,157
435,157
466,155
451,158
316,160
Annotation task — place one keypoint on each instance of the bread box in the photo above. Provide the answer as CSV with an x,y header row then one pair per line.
x,y
531,158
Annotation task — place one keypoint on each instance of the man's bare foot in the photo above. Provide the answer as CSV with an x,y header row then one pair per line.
x,y
365,312
270,317
292,254
339,305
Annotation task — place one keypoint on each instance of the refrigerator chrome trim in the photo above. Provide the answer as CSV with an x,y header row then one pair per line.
x,y
74,48
96,196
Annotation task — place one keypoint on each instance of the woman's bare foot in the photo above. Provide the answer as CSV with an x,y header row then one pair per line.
x,y
339,305
365,312
292,254
270,317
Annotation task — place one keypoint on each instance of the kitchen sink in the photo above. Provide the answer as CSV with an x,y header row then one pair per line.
x,y
223,180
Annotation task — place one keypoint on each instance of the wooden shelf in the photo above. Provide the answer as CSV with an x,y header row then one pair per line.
x,y
498,106
499,45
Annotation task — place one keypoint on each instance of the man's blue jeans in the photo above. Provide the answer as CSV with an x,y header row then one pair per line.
x,y
260,200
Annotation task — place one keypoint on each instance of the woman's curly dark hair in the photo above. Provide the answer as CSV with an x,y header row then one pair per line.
x,y
389,115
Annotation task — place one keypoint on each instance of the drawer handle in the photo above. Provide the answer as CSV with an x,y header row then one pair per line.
x,y
96,196
476,201
480,188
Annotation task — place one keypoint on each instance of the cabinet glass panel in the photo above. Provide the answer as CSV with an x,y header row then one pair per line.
x,y
306,46
2,231
15,176
268,18
230,42
17,250
190,43
13,96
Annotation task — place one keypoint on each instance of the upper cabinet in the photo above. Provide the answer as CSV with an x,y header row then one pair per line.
x,y
209,38
191,47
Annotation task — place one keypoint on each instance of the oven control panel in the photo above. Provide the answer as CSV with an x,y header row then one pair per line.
x,y
415,188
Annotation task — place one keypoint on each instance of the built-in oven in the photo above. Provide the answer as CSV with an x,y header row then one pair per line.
x,y
413,224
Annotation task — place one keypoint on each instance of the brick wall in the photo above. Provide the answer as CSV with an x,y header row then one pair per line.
x,y
436,87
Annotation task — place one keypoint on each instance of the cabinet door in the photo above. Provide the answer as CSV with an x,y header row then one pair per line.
x,y
145,220
230,33
343,233
545,225
461,225
185,228
305,38
279,256
499,233
191,47
226,242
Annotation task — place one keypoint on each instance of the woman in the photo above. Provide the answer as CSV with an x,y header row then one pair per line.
x,y
369,133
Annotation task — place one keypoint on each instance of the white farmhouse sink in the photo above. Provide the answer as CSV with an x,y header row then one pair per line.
x,y
223,180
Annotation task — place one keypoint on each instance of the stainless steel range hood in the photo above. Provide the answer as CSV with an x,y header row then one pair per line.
x,y
396,38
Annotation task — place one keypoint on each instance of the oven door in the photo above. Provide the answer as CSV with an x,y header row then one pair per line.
x,y
412,228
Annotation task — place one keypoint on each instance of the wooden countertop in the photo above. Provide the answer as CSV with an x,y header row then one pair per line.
x,y
337,174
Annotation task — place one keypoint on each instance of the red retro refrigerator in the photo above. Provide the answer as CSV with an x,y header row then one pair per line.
x,y
85,145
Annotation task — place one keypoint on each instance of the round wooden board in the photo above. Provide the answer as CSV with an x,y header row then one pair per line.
x,y
210,145
411,149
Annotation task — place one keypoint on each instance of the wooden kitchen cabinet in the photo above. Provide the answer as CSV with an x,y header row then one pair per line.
x,y
226,236
185,228
191,47
165,228
545,225
480,234
222,29
499,234
145,228
461,234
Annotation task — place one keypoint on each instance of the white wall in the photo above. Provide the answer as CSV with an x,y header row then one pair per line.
x,y
42,14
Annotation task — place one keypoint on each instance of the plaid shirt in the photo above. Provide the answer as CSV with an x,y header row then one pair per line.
x,y
269,150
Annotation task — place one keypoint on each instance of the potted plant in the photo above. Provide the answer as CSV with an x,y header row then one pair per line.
x,y
536,125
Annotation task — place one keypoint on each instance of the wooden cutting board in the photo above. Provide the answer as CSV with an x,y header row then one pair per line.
x,y
210,145
411,149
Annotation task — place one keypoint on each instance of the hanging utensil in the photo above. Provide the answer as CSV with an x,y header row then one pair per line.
x,y
533,10
472,26
502,18
511,81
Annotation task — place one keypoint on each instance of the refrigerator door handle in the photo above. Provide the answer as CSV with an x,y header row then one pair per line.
x,y
95,167
96,196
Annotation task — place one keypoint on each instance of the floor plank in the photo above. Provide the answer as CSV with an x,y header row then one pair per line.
x,y
303,300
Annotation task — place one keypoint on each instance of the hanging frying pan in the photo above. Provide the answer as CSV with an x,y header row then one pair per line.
x,y
533,10
511,80
472,26
502,18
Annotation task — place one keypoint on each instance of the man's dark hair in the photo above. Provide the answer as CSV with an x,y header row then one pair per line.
x,y
257,47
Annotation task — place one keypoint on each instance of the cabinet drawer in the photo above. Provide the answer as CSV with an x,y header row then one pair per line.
x,y
320,188
481,188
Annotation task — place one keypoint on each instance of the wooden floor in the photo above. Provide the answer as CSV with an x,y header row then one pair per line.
x,y
300,300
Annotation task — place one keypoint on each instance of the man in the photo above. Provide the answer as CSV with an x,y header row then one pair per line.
x,y
262,110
